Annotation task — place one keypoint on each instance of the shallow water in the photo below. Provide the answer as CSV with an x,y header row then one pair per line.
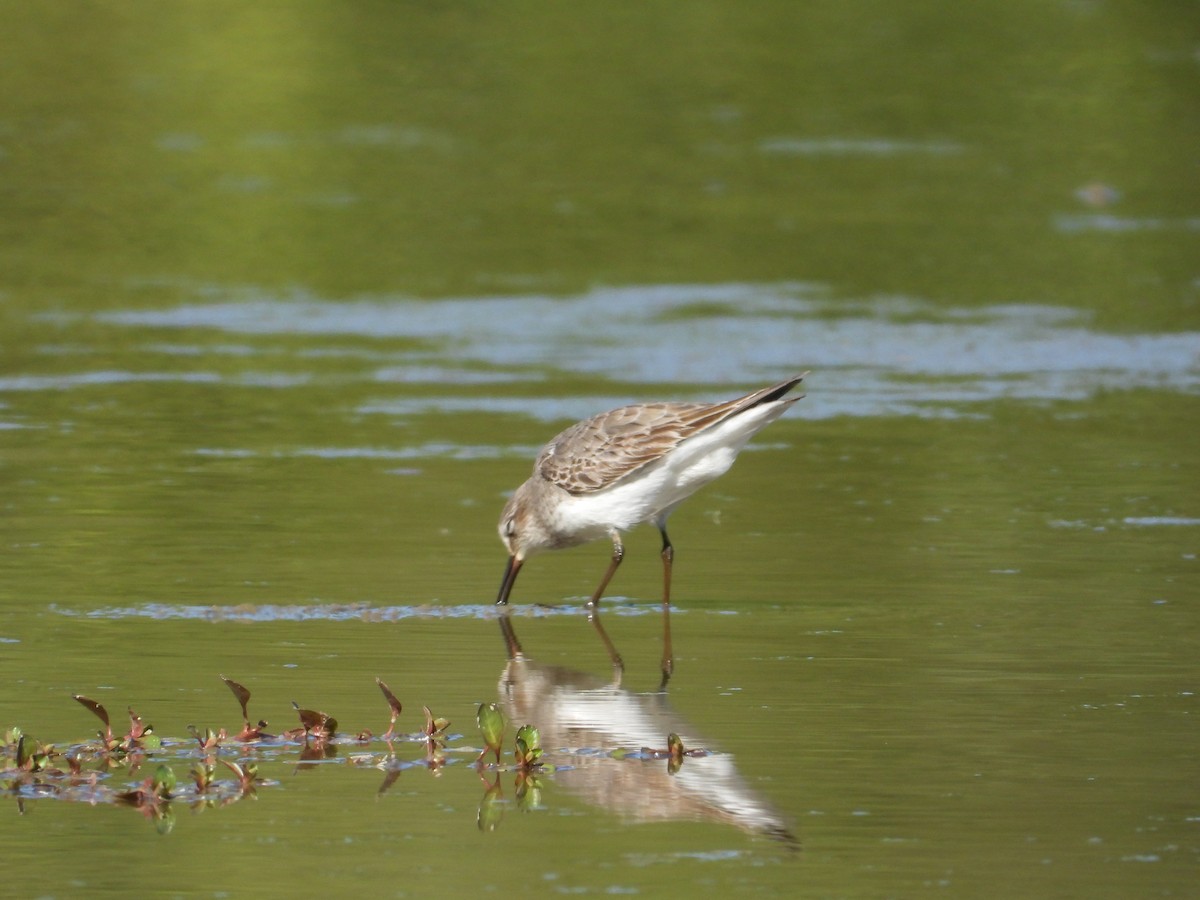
x,y
288,306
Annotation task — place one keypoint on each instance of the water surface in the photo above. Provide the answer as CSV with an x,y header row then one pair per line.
x,y
289,303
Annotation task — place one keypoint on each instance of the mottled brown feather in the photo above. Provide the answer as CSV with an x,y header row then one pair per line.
x,y
598,452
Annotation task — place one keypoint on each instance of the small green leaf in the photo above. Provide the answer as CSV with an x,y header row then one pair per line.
x,y
164,780
491,808
530,735
164,819
529,793
491,725
529,746
434,726
25,750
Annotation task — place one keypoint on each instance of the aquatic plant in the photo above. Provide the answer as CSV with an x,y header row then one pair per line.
x,y
528,750
395,706
140,736
30,770
435,739
249,732
491,807
29,755
209,740
314,724
491,725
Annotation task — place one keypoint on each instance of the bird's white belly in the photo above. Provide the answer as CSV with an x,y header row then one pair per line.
x,y
641,498
620,507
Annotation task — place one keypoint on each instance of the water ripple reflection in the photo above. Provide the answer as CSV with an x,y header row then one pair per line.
x,y
890,355
341,612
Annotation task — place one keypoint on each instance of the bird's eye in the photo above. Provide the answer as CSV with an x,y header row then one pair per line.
x,y
510,527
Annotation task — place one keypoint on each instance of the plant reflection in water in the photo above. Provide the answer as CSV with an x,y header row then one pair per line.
x,y
621,752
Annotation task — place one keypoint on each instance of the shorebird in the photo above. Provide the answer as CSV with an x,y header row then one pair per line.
x,y
618,469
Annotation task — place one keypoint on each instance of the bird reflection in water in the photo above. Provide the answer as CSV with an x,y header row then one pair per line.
x,y
589,718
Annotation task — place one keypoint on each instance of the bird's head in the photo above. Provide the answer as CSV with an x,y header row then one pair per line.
x,y
522,532
521,528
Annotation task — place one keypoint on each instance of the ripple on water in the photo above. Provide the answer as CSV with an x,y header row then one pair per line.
x,y
873,356
341,612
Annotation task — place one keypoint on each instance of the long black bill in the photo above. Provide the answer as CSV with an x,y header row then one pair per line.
x,y
510,578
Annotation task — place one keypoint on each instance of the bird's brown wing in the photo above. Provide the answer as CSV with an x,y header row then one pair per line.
x,y
597,452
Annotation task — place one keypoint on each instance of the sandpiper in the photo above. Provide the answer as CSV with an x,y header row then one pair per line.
x,y
620,468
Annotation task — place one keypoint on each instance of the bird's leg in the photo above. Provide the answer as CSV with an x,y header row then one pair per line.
x,y
618,554
668,659
593,605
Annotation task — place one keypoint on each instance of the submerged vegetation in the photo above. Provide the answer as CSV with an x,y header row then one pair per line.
x,y
137,768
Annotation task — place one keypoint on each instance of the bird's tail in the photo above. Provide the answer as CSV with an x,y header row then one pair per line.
x,y
772,393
